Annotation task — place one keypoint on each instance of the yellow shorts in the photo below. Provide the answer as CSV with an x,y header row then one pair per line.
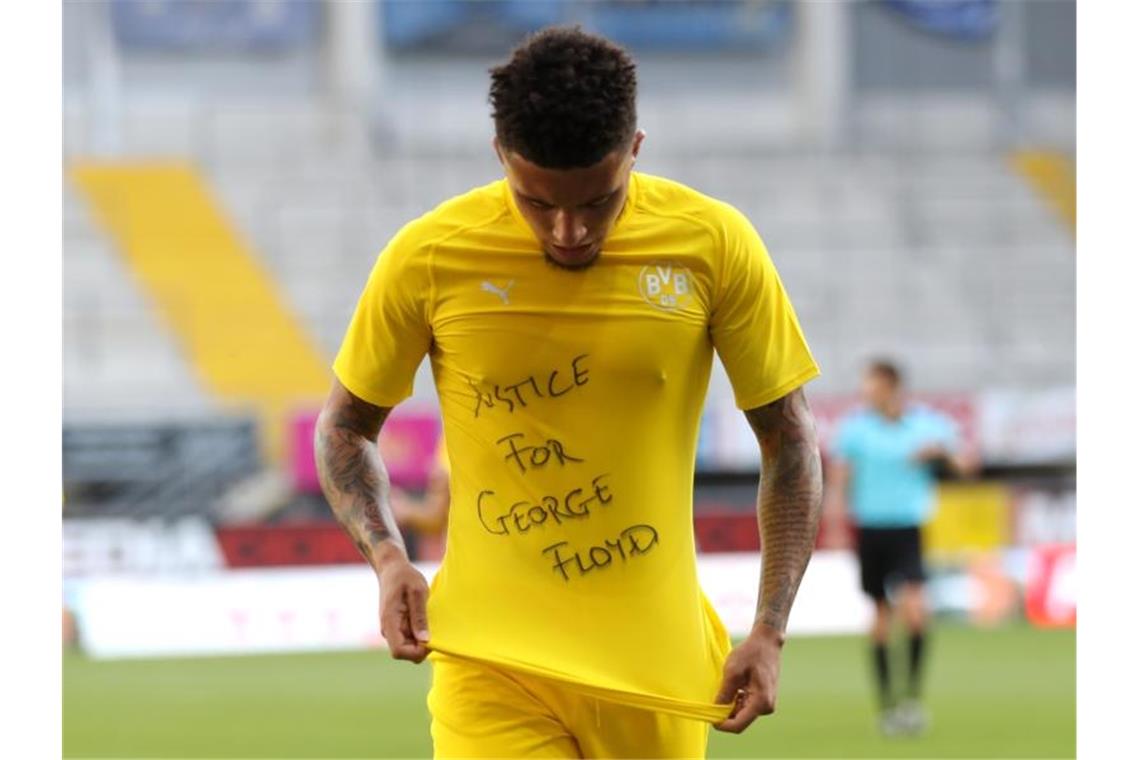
x,y
479,710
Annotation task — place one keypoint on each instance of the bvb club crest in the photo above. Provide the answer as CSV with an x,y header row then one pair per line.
x,y
666,285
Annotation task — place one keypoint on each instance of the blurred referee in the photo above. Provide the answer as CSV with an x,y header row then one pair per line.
x,y
882,472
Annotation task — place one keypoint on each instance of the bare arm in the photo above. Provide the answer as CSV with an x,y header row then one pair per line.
x,y
791,490
789,506
355,483
961,463
965,463
353,477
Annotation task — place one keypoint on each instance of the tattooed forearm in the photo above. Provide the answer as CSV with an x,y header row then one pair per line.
x,y
790,498
352,475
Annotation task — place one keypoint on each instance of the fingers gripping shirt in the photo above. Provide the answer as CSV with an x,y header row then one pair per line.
x,y
571,402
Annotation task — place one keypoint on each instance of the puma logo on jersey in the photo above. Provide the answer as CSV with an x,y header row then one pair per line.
x,y
502,292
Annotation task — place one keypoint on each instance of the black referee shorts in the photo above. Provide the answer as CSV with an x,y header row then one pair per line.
x,y
888,556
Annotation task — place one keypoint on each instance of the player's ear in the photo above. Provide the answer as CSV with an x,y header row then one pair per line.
x,y
638,136
498,150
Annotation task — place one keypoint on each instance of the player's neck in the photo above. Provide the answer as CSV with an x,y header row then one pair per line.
x,y
892,410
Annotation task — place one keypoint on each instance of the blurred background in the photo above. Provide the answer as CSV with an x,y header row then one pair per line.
x,y
232,169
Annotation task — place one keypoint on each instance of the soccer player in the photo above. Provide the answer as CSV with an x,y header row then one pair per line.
x,y
882,472
570,312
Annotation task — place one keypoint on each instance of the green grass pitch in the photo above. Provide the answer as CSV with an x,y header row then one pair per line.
x,y
1008,692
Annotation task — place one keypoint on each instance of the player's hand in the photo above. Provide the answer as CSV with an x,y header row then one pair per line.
x,y
403,610
751,673
929,453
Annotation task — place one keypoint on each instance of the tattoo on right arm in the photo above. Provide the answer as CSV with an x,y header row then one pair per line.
x,y
351,473
789,501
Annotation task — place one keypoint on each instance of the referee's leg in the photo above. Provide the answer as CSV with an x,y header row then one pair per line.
x,y
913,609
873,566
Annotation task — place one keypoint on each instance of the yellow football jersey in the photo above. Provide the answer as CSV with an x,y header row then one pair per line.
x,y
571,402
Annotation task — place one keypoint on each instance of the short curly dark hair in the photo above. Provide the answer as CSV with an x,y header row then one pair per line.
x,y
565,99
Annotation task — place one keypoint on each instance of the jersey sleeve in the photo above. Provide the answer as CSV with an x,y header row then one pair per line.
x,y
390,332
753,325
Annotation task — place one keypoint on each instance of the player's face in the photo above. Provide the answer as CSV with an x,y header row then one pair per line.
x,y
877,391
571,210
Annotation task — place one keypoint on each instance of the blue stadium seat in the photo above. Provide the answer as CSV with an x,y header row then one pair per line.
x,y
406,24
966,20
191,25
528,15
714,25
410,23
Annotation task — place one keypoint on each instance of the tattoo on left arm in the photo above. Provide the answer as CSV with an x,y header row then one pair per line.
x,y
789,503
352,474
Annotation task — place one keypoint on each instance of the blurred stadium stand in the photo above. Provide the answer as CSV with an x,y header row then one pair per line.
x,y
167,470
189,25
872,147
